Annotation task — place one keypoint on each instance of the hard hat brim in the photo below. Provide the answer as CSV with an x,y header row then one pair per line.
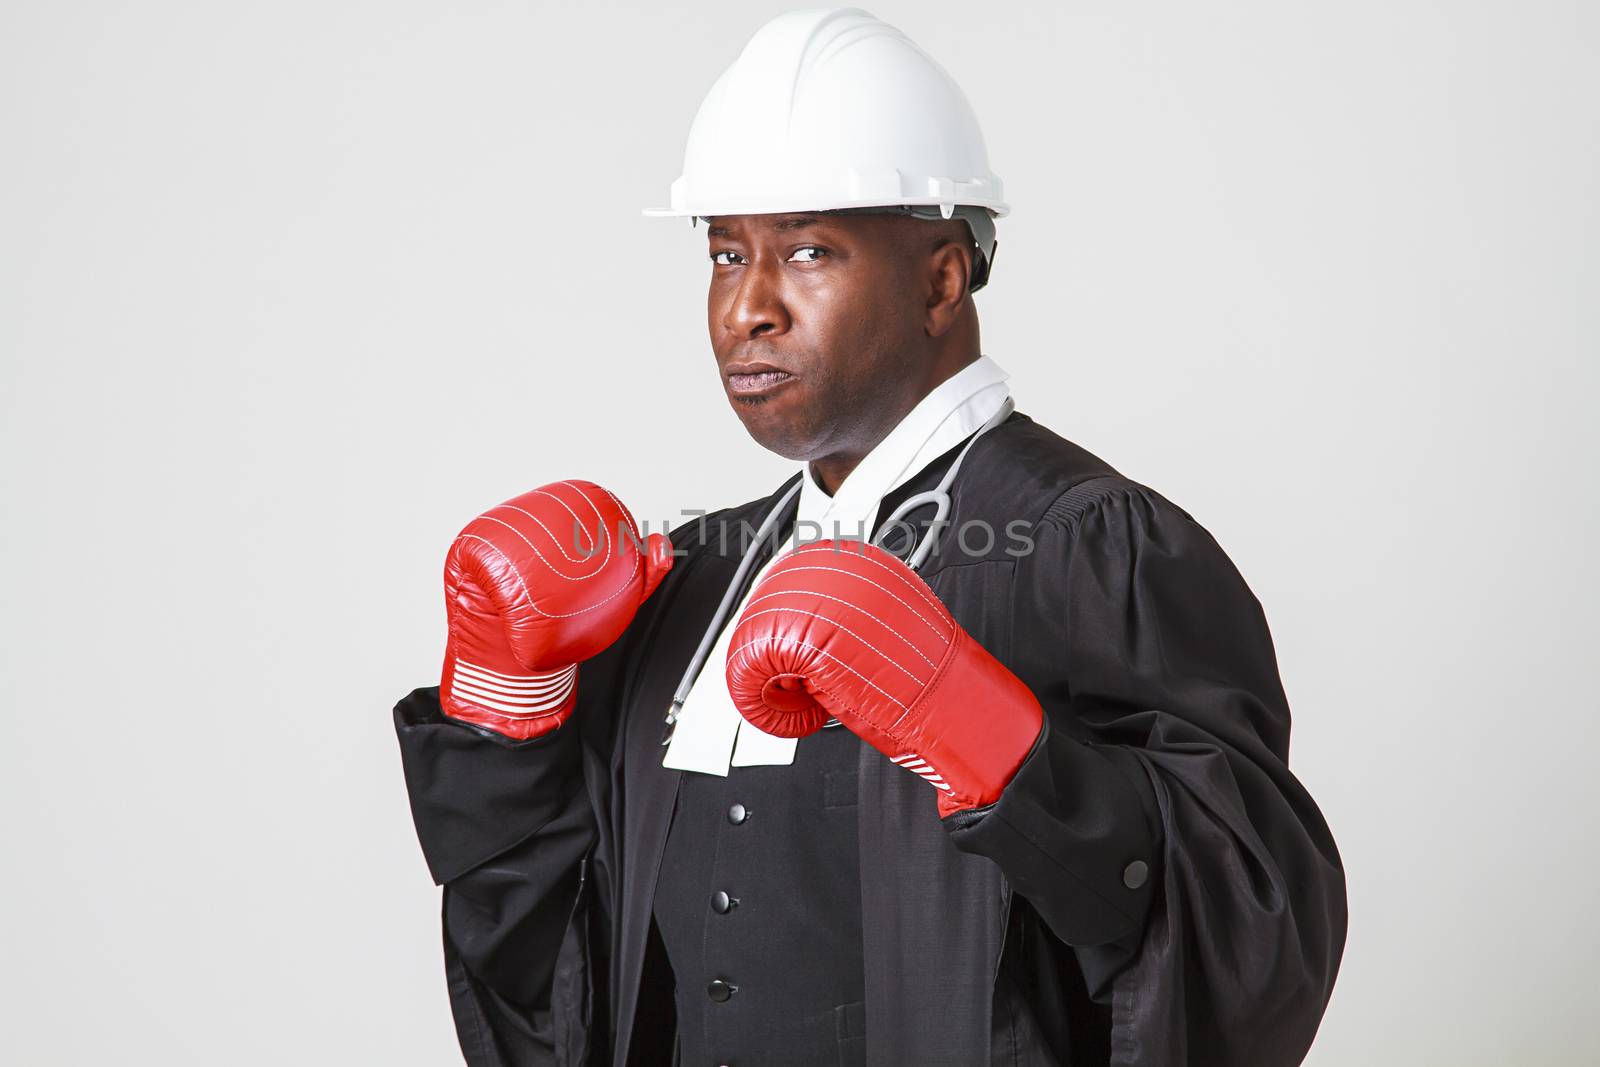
x,y
999,207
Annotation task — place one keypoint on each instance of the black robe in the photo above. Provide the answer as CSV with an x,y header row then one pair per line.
x,y
1026,932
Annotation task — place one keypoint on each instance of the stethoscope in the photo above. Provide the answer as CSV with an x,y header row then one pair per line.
x,y
938,496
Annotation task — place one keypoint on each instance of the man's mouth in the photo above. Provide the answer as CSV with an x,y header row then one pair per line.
x,y
756,379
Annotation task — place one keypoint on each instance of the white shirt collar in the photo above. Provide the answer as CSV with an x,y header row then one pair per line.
x,y
950,413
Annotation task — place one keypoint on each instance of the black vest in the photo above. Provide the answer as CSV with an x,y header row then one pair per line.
x,y
759,907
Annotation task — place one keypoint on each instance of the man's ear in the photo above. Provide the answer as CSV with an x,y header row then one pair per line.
x,y
949,274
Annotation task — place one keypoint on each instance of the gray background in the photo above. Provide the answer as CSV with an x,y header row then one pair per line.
x,y
290,291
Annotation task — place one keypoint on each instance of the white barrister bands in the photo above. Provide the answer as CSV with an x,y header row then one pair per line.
x,y
514,696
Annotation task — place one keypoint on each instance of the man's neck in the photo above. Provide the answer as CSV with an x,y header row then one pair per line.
x,y
829,472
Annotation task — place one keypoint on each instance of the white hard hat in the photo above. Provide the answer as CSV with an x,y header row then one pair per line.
x,y
834,109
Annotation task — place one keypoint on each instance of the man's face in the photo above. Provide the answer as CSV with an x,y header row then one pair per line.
x,y
817,322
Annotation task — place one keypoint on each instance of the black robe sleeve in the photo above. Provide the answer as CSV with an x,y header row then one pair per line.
x,y
1155,826
507,828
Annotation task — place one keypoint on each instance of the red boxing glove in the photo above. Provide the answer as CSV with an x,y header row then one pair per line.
x,y
846,629
532,588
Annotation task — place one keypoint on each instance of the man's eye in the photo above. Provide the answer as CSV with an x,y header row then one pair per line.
x,y
724,259
808,254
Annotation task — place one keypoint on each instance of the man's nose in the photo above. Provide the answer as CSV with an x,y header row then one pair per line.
x,y
757,307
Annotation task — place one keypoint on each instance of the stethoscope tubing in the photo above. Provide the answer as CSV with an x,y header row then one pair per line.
x,y
939,496
709,638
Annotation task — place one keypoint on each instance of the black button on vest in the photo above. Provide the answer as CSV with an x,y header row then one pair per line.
x,y
759,905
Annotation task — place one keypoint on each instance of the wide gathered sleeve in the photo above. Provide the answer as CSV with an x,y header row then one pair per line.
x,y
1156,827
509,828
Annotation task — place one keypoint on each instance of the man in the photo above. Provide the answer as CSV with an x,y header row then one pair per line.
x,y
1012,788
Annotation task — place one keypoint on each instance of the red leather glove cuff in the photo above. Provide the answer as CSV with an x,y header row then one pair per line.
x,y
972,727
514,706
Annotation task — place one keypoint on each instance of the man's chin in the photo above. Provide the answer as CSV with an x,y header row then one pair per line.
x,y
775,431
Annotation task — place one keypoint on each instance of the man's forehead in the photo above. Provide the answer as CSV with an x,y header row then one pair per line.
x,y
784,222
